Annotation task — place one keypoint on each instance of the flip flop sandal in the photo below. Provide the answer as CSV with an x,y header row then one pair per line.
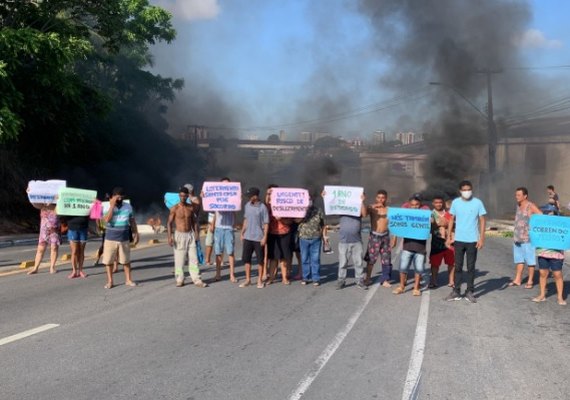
x,y
511,284
538,299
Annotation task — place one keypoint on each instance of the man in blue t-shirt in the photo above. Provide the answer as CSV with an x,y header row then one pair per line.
x,y
468,214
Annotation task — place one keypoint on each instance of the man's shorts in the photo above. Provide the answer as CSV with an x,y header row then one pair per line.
x,y
249,247
224,241
447,256
553,264
279,247
409,258
379,247
524,253
112,248
77,236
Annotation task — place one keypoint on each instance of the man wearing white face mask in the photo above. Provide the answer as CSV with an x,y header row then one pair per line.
x,y
468,213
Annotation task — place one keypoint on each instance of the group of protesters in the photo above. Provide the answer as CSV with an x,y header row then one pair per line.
x,y
457,234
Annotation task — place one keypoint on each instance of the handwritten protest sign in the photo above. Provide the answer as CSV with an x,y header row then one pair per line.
x,y
96,210
171,199
289,202
550,232
409,223
75,202
221,196
343,200
44,192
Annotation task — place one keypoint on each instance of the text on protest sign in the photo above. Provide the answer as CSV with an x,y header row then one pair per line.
x,y
171,199
343,200
75,202
409,223
289,202
221,196
44,192
550,232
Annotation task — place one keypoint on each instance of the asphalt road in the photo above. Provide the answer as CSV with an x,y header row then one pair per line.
x,y
157,341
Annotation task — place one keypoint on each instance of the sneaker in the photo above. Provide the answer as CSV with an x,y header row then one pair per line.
x,y
361,285
470,298
340,284
453,296
316,284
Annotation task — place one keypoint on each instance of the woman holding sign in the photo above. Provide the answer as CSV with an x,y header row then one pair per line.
x,y
49,234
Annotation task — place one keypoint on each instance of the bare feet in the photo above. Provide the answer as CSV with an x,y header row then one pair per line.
x,y
33,271
53,270
561,302
217,278
539,299
233,279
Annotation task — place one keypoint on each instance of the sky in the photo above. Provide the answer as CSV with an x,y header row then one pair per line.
x,y
258,66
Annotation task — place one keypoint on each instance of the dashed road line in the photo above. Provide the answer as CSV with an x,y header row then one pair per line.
x,y
27,333
325,356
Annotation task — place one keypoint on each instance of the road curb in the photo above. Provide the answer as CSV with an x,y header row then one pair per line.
x,y
19,268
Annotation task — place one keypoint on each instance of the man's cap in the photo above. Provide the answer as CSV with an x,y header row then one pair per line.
x,y
252,191
189,186
183,189
118,191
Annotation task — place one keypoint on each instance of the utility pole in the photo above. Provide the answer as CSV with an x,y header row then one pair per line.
x,y
491,127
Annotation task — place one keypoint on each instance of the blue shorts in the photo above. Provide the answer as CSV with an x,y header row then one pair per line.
x,y
224,240
524,253
552,264
77,236
408,258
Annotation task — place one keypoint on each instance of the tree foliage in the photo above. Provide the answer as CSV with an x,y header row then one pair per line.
x,y
70,71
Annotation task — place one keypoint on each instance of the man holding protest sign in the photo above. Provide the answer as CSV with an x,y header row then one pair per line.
x,y
350,246
183,240
254,235
224,238
120,222
523,250
468,214
379,244
413,253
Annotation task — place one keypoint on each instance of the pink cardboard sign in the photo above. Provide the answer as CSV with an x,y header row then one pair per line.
x,y
289,202
221,196
96,210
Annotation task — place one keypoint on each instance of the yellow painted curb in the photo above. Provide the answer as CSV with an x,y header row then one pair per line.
x,y
26,264
153,241
65,257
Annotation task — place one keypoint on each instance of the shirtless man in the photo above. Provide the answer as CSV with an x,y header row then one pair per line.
x,y
183,240
379,244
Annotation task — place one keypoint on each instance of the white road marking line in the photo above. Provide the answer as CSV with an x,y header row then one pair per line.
x,y
417,357
325,356
27,333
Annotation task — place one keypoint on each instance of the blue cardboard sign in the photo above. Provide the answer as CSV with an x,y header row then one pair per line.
x,y
171,199
409,223
550,232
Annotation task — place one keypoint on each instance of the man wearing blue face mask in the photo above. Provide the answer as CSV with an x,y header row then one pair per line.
x,y
468,213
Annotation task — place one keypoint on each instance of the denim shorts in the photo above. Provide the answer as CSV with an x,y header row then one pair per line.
x,y
224,240
553,264
77,236
524,253
408,258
